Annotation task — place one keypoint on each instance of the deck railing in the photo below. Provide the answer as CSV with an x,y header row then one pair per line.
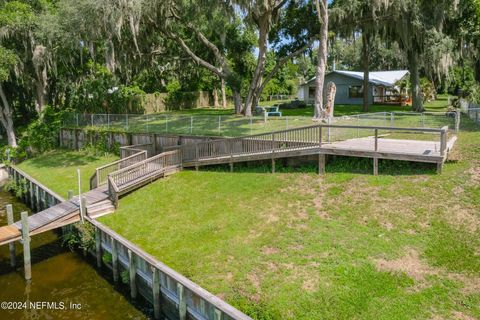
x,y
122,180
299,139
100,177
128,151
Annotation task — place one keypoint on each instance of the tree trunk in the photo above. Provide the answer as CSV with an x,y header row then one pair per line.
x,y
255,85
322,58
224,94
6,119
237,100
417,100
110,62
366,70
215,97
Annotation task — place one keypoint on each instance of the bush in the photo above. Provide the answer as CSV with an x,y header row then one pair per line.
x,y
42,134
475,94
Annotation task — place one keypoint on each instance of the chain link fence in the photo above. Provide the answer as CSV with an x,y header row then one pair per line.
x,y
234,126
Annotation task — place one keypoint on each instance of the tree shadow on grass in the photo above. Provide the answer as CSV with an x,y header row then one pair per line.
x,y
63,158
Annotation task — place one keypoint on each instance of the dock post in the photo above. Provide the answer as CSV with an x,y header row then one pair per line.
x,y
70,194
26,246
439,167
182,303
458,116
114,260
375,166
98,247
30,193
321,163
217,315
132,271
37,198
83,208
11,246
156,292
231,166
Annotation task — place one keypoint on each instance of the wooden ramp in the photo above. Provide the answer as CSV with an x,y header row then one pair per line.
x,y
62,214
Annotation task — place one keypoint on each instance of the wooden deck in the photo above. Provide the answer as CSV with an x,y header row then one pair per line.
x,y
62,214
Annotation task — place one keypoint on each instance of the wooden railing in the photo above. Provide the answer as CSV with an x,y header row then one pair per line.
x,y
309,137
128,151
131,177
100,177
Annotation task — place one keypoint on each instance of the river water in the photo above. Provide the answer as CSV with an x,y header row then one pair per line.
x,y
60,277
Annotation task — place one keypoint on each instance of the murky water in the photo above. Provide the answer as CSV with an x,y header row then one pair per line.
x,y
71,285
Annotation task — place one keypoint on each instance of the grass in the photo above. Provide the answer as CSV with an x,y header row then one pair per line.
x,y
58,169
223,122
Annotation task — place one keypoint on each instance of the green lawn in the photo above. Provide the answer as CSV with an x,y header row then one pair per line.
x,y
58,169
222,122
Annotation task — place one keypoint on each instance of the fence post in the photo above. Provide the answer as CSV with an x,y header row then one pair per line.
x,y
329,130
251,125
77,119
126,121
286,120
376,139
91,119
219,124
273,152
191,124
392,119
166,124
26,246
11,245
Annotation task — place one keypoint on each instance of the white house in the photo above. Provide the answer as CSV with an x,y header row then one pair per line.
x,y
382,89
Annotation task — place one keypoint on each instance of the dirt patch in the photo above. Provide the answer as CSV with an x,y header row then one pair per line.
x,y
310,285
457,315
462,216
270,250
410,264
474,175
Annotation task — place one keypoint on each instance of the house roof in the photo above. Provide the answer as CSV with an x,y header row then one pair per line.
x,y
384,78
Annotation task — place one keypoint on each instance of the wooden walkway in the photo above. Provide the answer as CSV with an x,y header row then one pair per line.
x,y
135,170
62,214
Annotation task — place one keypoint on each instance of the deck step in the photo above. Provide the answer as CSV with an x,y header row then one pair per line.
x,y
101,210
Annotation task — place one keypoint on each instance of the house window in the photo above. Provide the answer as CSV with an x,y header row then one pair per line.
x,y
355,91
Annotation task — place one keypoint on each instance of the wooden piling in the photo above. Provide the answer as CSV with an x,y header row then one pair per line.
x,y
375,166
98,247
182,303
156,292
321,163
11,246
133,274
26,246
83,209
114,260
37,198
273,165
70,194
30,193
217,315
